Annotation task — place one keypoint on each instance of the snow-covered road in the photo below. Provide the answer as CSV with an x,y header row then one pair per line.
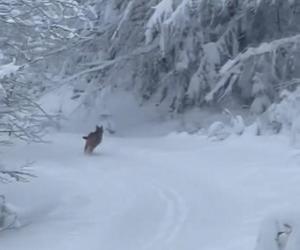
x,y
174,192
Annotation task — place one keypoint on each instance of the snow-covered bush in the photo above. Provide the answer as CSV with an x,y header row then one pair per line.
x,y
221,130
218,131
288,109
285,115
20,115
260,94
8,217
279,232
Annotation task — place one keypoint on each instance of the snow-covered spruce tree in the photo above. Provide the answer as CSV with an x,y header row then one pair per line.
x,y
170,54
180,54
274,62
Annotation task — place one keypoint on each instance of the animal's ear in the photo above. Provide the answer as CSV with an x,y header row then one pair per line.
x,y
99,128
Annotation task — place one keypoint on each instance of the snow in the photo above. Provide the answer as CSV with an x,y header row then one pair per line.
x,y
212,53
179,15
123,19
8,218
162,11
59,100
261,49
8,69
177,191
3,93
234,67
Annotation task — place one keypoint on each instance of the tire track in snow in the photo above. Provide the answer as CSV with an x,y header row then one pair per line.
x,y
174,218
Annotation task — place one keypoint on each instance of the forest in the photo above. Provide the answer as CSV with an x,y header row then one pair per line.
x,y
196,105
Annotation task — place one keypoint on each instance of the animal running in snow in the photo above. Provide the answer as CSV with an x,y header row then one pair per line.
x,y
93,140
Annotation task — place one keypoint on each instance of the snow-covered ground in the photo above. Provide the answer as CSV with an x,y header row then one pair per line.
x,y
173,192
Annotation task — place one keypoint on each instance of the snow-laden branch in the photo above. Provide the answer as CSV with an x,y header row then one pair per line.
x,y
230,71
104,64
260,50
47,23
8,69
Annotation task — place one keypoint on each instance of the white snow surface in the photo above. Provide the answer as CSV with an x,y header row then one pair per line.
x,y
177,191
8,69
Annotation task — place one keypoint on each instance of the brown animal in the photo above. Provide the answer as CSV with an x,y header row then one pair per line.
x,y
93,140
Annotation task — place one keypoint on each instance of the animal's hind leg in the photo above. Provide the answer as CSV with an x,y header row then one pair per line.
x,y
87,149
91,149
